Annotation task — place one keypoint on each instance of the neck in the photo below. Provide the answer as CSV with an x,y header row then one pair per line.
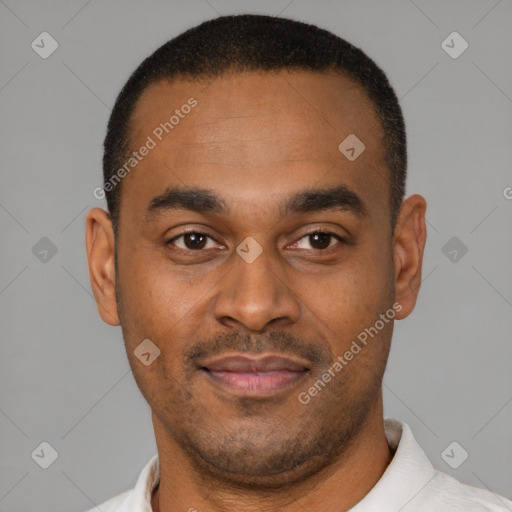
x,y
335,488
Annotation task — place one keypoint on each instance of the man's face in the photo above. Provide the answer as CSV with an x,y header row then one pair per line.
x,y
242,340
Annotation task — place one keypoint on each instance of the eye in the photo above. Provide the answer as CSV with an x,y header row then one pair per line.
x,y
193,240
318,240
197,241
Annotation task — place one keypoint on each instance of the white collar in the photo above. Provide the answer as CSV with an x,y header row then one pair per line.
x,y
408,473
409,484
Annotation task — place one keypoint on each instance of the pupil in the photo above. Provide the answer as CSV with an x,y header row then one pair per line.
x,y
194,241
321,240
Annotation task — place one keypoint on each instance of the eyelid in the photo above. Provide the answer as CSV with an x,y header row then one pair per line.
x,y
341,239
325,228
324,231
194,231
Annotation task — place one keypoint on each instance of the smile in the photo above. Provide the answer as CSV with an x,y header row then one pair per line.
x,y
255,377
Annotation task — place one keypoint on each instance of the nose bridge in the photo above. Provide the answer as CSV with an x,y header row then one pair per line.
x,y
254,294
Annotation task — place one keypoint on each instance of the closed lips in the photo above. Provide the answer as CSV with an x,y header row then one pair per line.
x,y
241,364
254,377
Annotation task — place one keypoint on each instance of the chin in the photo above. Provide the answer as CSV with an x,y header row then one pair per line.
x,y
265,456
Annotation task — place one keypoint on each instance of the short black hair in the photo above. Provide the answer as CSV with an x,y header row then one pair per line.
x,y
257,43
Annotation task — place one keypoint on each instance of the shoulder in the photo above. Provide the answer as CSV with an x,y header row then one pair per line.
x,y
413,484
448,494
139,497
118,503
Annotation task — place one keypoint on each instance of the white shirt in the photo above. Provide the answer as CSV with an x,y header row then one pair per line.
x,y
409,484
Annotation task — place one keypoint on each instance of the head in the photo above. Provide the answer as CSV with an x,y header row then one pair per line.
x,y
248,226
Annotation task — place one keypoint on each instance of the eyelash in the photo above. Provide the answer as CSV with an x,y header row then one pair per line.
x,y
316,232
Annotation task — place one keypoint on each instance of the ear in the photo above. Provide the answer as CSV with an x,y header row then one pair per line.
x,y
409,242
99,241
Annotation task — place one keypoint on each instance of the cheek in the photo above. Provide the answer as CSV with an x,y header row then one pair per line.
x,y
155,304
357,280
159,300
353,294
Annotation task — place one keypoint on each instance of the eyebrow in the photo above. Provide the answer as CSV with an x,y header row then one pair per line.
x,y
339,198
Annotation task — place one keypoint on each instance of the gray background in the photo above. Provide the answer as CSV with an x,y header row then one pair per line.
x,y
65,378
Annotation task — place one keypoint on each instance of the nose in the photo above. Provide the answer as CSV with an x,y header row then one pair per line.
x,y
256,294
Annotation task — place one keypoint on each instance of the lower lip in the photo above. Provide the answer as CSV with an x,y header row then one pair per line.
x,y
256,384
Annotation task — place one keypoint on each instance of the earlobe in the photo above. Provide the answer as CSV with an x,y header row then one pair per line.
x,y
99,241
409,243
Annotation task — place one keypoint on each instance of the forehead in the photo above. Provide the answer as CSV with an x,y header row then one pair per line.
x,y
254,134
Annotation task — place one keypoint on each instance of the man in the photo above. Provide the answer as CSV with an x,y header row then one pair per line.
x,y
257,250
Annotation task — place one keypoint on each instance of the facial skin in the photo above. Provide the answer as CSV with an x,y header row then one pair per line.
x,y
255,140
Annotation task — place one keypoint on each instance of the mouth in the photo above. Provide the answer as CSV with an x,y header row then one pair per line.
x,y
247,376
